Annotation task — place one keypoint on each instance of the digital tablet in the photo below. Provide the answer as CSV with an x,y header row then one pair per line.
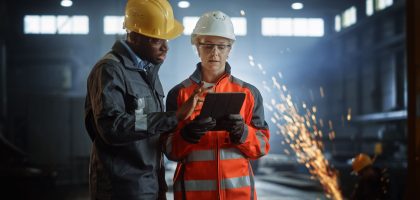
x,y
218,105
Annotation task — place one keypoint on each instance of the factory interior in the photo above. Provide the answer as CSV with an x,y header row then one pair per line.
x,y
347,70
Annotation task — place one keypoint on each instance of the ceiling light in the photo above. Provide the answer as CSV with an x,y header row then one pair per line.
x,y
297,6
66,3
183,4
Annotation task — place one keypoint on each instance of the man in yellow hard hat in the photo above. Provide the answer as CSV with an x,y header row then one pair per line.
x,y
124,109
373,183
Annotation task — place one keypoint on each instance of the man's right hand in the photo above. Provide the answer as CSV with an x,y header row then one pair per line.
x,y
193,131
188,107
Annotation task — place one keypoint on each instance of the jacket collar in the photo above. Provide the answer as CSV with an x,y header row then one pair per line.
x,y
196,75
128,62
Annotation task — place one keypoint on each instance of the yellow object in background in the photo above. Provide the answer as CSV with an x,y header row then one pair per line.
x,y
378,148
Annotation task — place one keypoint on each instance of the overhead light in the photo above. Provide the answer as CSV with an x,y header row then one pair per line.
x,y
66,3
183,4
297,6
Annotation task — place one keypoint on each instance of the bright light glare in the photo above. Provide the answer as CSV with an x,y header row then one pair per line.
x,y
80,24
61,24
113,25
369,7
315,27
269,27
337,23
189,24
48,24
66,3
239,25
32,24
183,4
297,6
285,27
300,27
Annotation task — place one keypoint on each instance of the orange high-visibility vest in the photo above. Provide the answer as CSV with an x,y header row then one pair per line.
x,y
215,168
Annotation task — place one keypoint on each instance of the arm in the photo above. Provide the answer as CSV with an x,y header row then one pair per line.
x,y
114,125
178,144
252,138
175,147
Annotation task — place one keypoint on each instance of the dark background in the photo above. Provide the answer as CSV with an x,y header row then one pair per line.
x,y
368,70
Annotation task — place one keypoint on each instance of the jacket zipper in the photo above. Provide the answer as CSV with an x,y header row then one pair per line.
x,y
156,99
219,180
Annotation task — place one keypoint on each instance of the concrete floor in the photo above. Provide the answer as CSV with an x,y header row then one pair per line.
x,y
274,191
270,186
265,190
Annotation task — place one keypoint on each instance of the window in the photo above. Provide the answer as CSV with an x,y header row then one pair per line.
x,y
113,25
369,7
239,25
298,27
349,17
382,4
189,24
51,24
337,23
315,27
377,5
270,27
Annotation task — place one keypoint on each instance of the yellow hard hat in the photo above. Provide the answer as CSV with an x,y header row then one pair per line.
x,y
153,18
360,161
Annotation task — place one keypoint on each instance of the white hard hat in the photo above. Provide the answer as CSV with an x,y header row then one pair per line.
x,y
214,23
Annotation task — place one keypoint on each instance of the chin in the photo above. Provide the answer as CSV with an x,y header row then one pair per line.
x,y
157,61
213,67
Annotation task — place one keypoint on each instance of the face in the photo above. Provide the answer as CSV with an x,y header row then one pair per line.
x,y
147,48
213,52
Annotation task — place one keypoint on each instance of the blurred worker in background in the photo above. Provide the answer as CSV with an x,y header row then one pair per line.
x,y
373,183
214,164
124,109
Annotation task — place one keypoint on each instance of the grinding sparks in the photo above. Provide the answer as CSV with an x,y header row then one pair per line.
x,y
301,133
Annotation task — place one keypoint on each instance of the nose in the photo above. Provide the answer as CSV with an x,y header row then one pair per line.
x,y
165,46
215,50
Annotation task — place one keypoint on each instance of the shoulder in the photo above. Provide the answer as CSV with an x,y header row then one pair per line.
x,y
175,90
254,90
108,66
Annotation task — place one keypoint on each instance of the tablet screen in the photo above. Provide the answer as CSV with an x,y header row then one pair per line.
x,y
217,105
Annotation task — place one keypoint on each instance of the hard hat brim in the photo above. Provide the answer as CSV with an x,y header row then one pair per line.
x,y
175,32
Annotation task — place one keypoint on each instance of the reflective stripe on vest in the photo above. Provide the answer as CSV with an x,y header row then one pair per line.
x,y
211,185
260,137
209,155
238,182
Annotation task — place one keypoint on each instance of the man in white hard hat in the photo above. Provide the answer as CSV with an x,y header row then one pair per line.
x,y
215,162
124,109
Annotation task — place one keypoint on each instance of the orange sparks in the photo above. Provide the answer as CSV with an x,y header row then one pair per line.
x,y
301,133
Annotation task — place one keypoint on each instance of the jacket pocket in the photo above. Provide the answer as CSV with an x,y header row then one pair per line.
x,y
139,99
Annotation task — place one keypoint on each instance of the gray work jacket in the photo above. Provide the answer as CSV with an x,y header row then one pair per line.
x,y
124,117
